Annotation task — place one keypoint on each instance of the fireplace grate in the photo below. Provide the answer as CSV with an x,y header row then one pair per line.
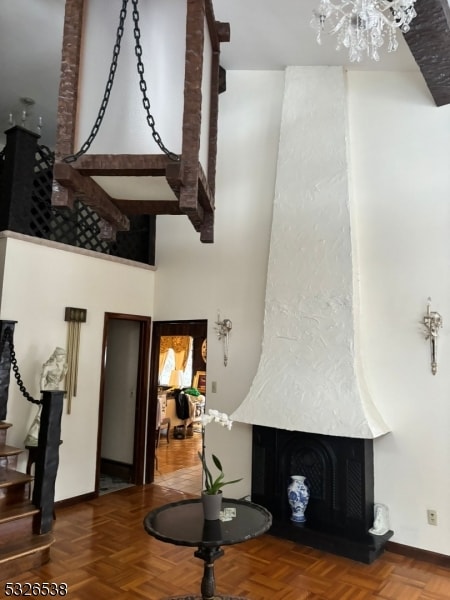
x,y
339,472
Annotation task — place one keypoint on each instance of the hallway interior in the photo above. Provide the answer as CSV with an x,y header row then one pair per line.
x,y
178,466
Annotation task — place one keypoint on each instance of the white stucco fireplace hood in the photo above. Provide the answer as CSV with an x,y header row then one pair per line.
x,y
310,375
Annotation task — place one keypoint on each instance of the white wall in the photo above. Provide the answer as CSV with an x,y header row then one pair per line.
x,y
39,282
399,152
196,280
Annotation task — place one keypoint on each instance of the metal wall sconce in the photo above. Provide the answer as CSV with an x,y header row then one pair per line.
x,y
432,322
223,329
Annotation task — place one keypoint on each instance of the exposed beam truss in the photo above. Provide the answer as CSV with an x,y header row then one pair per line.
x,y
429,42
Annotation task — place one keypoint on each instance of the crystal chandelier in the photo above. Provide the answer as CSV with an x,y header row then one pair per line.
x,y
361,26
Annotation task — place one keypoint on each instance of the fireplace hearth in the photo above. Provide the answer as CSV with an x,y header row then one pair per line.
x,y
339,471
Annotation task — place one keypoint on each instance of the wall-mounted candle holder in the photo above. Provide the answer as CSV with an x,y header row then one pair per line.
x,y
432,322
223,329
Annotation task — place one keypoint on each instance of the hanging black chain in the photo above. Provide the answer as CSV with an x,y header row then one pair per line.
x,y
142,84
7,337
112,71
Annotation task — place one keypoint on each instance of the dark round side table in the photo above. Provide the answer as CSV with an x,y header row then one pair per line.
x,y
182,524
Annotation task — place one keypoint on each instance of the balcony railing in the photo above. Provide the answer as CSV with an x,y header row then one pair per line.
x,y
26,176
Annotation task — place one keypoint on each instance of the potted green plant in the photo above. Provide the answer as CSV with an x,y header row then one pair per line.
x,y
212,492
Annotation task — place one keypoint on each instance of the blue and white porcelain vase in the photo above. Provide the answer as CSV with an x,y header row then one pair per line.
x,y
298,496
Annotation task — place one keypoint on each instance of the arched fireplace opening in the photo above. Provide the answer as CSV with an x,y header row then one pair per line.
x,y
339,471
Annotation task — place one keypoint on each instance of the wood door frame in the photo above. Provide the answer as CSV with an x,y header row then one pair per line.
x,y
173,327
141,394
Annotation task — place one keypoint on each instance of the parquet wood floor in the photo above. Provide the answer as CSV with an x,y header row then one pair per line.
x,y
178,465
103,553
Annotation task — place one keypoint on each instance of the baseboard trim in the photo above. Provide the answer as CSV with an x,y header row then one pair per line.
x,y
441,560
435,558
75,500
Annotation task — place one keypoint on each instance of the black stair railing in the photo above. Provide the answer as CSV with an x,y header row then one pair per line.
x,y
47,461
49,439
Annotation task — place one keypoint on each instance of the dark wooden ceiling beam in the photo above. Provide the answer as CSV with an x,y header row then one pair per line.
x,y
138,165
92,195
148,207
68,92
429,42
127,165
76,177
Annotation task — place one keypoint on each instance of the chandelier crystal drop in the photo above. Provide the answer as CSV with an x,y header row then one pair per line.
x,y
362,26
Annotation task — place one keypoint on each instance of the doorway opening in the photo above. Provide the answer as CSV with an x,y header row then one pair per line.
x,y
178,364
123,402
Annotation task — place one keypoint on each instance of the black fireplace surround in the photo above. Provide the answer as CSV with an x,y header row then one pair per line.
x,y
339,471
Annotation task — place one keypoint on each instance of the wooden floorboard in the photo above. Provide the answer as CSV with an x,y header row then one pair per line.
x,y
102,552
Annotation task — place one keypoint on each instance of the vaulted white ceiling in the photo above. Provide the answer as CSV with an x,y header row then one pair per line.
x,y
265,34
